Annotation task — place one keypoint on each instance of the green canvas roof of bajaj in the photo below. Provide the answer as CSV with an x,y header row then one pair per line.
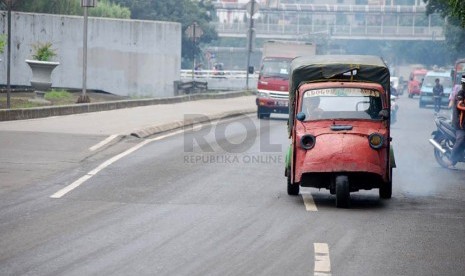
x,y
329,68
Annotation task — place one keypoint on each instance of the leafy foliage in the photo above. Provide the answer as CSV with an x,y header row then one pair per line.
x,y
104,8
454,11
43,51
3,42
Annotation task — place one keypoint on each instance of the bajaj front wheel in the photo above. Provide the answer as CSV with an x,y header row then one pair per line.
x,y
292,189
342,192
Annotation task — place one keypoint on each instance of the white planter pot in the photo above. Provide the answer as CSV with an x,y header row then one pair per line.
x,y
41,75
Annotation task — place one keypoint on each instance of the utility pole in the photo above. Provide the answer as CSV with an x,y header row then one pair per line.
x,y
194,32
252,8
84,98
8,62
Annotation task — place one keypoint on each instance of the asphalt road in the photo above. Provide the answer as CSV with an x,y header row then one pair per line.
x,y
218,206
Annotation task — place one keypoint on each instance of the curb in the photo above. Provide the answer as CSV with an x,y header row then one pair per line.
x,y
42,112
148,131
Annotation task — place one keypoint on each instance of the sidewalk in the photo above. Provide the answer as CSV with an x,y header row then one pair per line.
x,y
37,151
139,121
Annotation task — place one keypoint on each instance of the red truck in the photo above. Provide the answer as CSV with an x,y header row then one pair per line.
x,y
273,79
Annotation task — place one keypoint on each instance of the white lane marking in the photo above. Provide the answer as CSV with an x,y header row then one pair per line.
x,y
309,203
103,143
110,161
107,163
322,263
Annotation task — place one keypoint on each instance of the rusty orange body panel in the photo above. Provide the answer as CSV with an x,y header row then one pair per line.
x,y
346,151
341,151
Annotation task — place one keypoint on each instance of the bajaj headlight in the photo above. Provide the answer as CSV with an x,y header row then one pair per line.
x,y
307,141
376,140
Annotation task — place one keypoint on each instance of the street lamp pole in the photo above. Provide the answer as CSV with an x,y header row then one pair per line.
x,y
8,62
84,98
251,9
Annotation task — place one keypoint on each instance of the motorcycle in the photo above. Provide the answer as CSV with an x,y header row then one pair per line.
x,y
394,109
443,140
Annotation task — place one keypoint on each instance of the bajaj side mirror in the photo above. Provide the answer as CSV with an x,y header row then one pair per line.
x,y
300,116
250,69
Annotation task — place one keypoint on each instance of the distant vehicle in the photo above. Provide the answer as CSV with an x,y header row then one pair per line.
x,y
394,109
396,85
273,79
415,80
426,94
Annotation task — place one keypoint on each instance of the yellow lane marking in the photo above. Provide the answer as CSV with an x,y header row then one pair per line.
x,y
309,203
322,262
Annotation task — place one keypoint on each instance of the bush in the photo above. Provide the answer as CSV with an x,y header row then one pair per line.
x,y
59,94
3,38
43,51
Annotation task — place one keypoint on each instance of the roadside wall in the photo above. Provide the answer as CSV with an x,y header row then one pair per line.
x,y
125,57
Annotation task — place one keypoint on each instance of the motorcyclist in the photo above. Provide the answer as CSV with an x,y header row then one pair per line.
x,y
458,121
393,90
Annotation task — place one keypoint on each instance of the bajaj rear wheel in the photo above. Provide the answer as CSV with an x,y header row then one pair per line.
x,y
385,191
342,192
292,189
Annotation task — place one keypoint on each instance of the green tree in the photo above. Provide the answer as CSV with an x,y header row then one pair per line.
x,y
104,8
454,11
183,11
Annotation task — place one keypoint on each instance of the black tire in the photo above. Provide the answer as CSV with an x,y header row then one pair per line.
x,y
410,95
292,189
443,159
421,105
385,191
261,114
342,192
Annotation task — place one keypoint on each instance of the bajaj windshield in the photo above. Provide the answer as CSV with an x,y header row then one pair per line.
x,y
341,103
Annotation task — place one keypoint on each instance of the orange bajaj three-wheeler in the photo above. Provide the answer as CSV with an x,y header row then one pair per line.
x,y
339,126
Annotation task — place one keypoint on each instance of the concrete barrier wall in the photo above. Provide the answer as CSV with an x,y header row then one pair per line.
x,y
125,57
48,111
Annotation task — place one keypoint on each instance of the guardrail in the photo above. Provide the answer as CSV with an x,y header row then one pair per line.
x,y
326,8
215,74
396,32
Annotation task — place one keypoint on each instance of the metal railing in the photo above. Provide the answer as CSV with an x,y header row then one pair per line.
x,y
292,31
325,8
214,74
